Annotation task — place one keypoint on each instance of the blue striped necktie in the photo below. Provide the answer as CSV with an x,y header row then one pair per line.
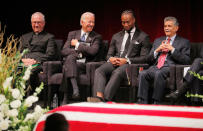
x,y
83,37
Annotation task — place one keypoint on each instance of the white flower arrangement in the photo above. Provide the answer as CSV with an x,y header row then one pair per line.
x,y
14,106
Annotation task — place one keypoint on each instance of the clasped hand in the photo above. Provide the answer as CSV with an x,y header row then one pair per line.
x,y
117,61
164,47
28,61
74,42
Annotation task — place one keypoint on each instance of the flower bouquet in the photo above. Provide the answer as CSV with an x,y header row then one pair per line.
x,y
14,106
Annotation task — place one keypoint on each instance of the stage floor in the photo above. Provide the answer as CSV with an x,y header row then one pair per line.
x,y
127,117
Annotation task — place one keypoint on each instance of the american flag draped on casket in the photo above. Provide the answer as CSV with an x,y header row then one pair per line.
x,y
128,117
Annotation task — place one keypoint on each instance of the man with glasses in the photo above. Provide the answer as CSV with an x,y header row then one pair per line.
x,y
40,44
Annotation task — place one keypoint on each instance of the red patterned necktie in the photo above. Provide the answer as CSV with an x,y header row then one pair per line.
x,y
162,57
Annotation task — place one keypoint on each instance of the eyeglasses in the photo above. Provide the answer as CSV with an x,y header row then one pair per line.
x,y
37,22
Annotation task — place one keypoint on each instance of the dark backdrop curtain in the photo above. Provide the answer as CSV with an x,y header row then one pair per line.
x,y
62,16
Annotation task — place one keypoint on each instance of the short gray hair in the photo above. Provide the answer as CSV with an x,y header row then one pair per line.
x,y
38,13
171,18
83,16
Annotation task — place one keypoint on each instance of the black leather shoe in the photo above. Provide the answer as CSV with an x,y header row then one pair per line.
x,y
141,101
178,93
156,102
174,95
76,96
95,99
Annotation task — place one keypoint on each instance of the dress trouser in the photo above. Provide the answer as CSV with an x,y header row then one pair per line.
x,y
71,69
34,79
109,87
153,74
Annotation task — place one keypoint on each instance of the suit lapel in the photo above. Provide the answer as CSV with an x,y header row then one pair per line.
x,y
175,43
90,37
77,35
120,39
135,36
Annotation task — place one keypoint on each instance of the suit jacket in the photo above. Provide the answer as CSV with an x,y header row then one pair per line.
x,y
42,50
181,55
89,52
139,47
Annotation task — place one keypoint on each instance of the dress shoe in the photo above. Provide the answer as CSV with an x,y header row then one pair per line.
x,y
174,95
76,96
142,101
179,92
156,102
95,99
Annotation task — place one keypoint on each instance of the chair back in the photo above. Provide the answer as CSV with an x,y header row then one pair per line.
x,y
103,50
59,46
195,50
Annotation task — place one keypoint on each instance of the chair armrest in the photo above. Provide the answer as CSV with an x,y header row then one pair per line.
x,y
88,70
91,67
133,72
45,67
53,67
179,74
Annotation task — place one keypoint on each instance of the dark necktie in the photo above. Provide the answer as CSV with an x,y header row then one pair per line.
x,y
82,39
126,45
162,57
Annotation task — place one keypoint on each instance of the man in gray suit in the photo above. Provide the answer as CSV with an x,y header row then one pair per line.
x,y
40,44
128,46
82,46
166,51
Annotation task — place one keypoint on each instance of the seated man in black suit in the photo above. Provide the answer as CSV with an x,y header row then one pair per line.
x,y
82,46
40,44
196,66
128,46
167,50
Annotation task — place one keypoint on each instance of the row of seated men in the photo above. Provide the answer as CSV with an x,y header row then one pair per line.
x,y
130,45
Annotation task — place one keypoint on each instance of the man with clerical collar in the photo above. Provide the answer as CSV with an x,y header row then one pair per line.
x,y
40,44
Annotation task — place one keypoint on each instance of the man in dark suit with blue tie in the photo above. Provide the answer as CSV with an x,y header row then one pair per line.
x,y
128,46
166,51
81,46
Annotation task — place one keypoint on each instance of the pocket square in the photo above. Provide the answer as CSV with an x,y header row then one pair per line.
x,y
136,43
